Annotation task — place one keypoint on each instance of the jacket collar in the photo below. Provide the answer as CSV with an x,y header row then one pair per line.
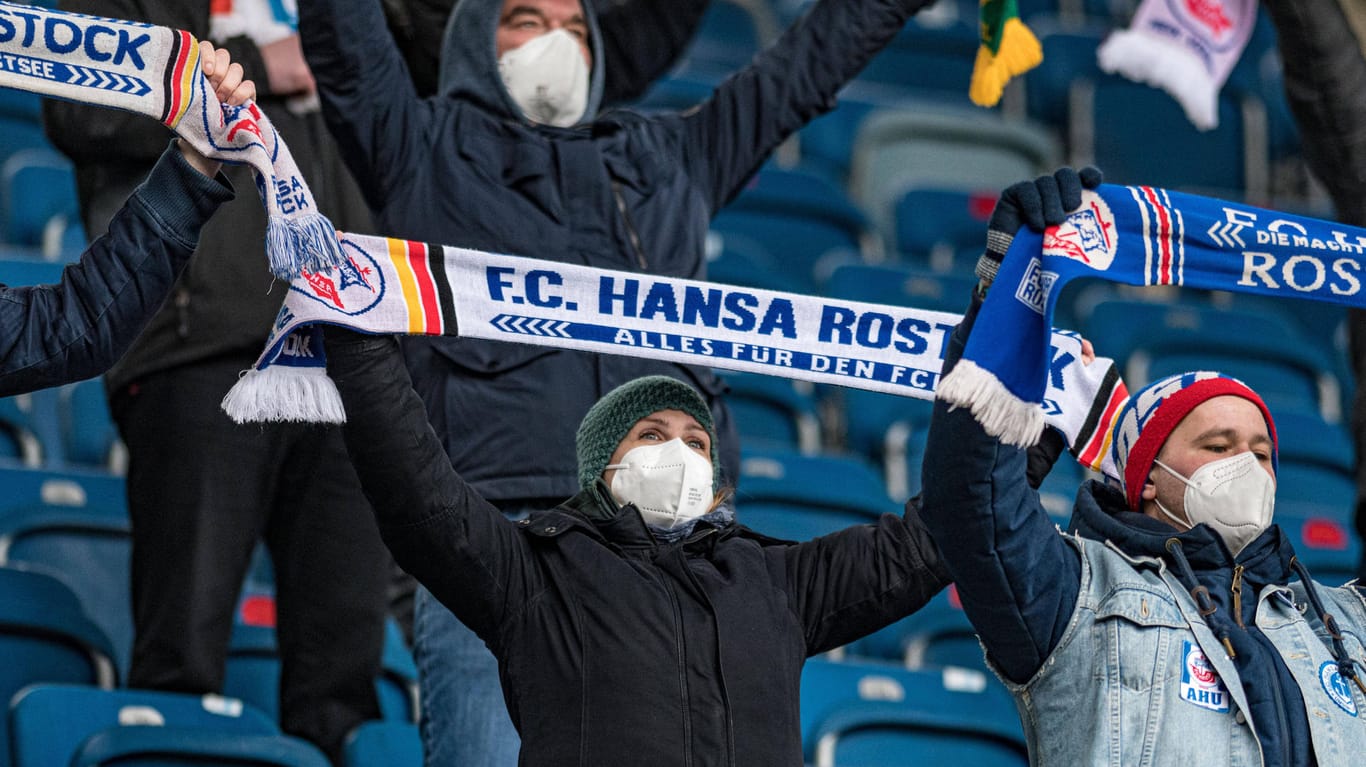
x,y
1101,514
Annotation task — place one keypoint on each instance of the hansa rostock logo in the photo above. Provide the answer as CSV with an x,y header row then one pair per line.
x,y
353,288
1088,234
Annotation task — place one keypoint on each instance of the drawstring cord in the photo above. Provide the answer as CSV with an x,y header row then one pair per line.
x,y
1198,592
1346,666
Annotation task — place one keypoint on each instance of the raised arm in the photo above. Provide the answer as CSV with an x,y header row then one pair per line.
x,y
368,98
76,329
851,583
448,537
790,83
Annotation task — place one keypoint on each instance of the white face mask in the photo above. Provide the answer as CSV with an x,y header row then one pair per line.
x,y
1234,495
668,483
547,78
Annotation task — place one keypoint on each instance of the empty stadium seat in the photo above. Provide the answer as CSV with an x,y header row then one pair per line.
x,y
52,723
35,419
45,636
933,57
789,495
89,437
174,747
392,744
735,259
253,665
730,34
905,285
773,411
864,714
890,431
73,525
1321,535
897,150
943,228
937,635
38,199
1140,135
807,224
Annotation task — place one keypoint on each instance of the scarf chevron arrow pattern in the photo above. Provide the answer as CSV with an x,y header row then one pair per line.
x,y
1136,235
155,71
396,286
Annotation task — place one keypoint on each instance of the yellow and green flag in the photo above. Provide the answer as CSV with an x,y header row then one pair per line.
x,y
1008,49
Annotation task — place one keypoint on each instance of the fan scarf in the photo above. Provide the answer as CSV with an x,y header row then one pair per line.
x,y
1136,236
397,286
155,71
1185,47
1008,49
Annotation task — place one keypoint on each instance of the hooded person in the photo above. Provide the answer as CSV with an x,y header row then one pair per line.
x,y
1172,622
636,622
501,161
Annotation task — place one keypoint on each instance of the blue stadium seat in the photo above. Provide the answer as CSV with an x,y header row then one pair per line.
x,y
904,285
943,228
89,437
901,149
253,666
932,57
890,431
175,747
45,636
19,445
51,723
798,497
675,93
72,524
1268,353
1069,54
36,418
38,200
864,714
392,744
806,223
825,144
730,34
775,412
1140,135
937,635
735,259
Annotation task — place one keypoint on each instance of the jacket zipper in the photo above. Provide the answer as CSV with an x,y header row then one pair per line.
x,y
682,667
720,672
1237,589
630,226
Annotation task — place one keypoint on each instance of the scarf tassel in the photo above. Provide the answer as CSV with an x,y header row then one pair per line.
x,y
306,243
284,393
1002,414
1147,59
1018,53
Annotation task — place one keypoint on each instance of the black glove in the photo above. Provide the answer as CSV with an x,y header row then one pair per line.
x,y
1040,203
1043,455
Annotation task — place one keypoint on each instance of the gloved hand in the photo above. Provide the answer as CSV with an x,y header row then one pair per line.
x,y
1040,203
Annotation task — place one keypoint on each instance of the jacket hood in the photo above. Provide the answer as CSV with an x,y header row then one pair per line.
x,y
1102,514
469,63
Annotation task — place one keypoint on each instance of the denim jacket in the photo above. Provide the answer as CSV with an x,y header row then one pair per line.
x,y
1158,686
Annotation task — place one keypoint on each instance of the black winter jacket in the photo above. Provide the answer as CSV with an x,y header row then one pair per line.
x,y
614,649
620,191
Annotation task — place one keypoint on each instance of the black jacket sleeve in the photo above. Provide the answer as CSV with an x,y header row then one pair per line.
x,y
439,529
853,582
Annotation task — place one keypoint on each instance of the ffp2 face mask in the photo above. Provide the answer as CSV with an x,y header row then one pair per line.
x,y
669,483
1235,496
547,78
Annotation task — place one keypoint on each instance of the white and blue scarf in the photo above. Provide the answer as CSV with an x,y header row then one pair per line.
x,y
1136,235
155,71
398,286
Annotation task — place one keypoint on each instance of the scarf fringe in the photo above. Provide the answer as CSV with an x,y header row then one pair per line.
x,y
299,244
1147,59
283,393
1019,52
1003,415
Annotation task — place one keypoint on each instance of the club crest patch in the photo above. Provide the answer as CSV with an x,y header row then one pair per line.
x,y
1336,686
1088,235
1200,685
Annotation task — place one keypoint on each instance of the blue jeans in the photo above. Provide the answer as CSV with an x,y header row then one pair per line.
x,y
464,719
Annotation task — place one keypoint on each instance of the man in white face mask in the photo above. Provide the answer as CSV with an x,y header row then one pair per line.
x,y
1172,623
544,59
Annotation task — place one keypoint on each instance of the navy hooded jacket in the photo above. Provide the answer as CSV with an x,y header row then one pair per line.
x,y
622,191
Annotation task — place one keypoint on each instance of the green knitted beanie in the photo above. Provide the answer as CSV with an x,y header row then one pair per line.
x,y
611,418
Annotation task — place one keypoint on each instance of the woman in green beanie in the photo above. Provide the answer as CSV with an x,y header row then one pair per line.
x,y
636,623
